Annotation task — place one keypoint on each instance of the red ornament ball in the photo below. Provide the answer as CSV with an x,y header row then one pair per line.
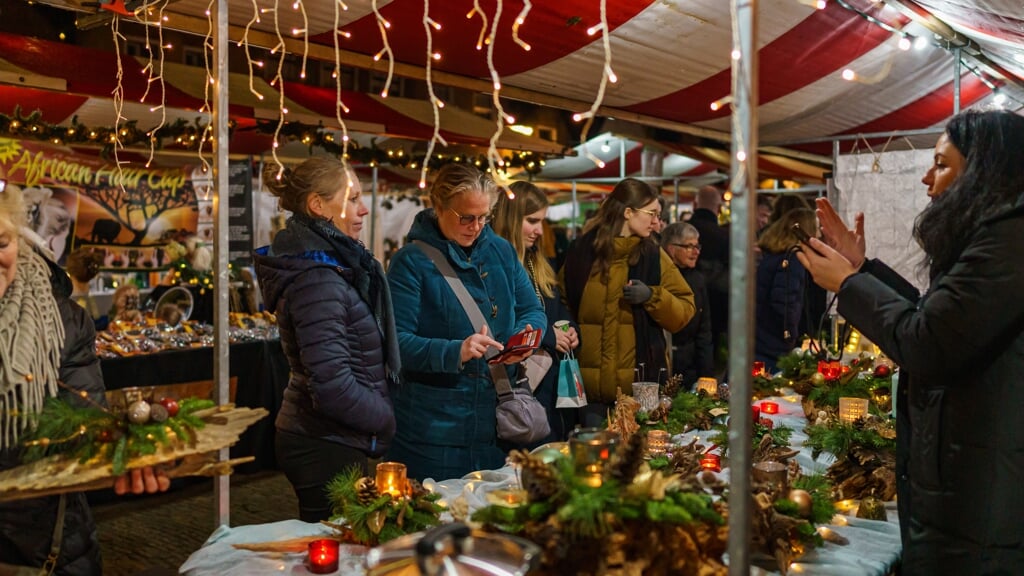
x,y
882,370
171,405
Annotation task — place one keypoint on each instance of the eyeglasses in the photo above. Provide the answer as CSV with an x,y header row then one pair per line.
x,y
468,220
651,213
687,246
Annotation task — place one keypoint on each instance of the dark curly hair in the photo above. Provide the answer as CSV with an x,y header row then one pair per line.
x,y
991,182
83,264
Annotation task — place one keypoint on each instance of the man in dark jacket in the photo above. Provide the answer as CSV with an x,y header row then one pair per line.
x,y
713,263
692,352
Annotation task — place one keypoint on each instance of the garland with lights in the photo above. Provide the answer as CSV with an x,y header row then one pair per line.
x,y
96,432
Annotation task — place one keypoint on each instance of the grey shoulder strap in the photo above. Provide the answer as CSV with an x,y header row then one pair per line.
x,y
498,372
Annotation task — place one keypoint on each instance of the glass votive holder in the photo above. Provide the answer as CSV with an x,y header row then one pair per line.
x,y
758,369
711,462
657,442
850,409
769,407
592,449
646,393
707,385
323,556
391,479
771,472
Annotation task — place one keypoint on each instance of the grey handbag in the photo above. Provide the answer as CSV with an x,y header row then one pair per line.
x,y
521,418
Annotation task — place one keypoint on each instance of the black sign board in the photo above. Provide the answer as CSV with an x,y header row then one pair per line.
x,y
240,213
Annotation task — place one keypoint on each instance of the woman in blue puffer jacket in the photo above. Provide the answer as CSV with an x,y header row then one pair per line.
x,y
337,329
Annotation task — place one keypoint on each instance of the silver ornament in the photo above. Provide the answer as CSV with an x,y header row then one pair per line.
x,y
138,412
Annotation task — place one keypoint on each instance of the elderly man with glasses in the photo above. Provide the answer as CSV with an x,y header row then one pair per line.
x,y
692,352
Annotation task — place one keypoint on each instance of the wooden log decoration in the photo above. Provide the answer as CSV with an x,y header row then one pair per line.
x,y
61,473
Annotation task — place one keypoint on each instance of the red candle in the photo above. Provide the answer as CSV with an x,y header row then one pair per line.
x,y
712,462
323,556
769,407
758,368
756,412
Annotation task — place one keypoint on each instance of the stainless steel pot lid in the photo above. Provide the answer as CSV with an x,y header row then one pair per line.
x,y
453,549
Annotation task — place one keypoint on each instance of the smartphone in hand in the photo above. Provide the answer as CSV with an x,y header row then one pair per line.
x,y
804,237
518,344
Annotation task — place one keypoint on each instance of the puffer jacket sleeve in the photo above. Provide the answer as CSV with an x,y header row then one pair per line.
x,y
407,277
321,306
964,318
671,304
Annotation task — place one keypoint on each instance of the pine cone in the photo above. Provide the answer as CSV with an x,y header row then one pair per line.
x,y
539,479
366,490
416,490
628,459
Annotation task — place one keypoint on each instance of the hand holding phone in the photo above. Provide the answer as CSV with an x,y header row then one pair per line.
x,y
804,237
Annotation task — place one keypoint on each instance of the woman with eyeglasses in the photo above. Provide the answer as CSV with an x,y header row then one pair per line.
x,y
446,404
781,285
624,292
692,352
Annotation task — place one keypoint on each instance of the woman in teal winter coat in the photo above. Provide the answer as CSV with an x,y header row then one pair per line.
x,y
445,407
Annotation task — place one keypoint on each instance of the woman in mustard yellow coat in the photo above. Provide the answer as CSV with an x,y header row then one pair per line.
x,y
624,291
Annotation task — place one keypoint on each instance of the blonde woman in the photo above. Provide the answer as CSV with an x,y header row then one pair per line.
x,y
520,220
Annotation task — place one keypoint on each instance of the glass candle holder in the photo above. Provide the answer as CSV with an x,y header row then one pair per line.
x,y
592,449
831,369
769,407
657,442
646,393
323,556
850,409
708,385
712,462
391,479
771,472
758,369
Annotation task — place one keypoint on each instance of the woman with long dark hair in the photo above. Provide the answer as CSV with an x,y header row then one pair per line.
x,y
960,348
624,292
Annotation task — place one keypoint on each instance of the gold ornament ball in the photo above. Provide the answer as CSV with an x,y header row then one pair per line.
x,y
803,501
818,379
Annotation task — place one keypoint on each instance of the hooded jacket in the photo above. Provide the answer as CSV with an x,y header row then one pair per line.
x,y
446,410
338,388
962,349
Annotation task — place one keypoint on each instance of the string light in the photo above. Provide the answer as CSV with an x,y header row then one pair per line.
x,y
905,43
494,160
519,21
383,25
207,58
607,75
481,39
435,102
279,80
118,95
339,106
244,42
298,5
718,104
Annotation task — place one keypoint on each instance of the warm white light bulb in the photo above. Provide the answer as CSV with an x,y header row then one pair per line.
x,y
921,43
849,74
999,99
905,43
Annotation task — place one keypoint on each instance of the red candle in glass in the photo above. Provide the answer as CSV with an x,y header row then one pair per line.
x,y
758,369
323,556
756,413
769,407
835,370
712,462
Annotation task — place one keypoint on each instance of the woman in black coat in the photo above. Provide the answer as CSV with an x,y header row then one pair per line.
x,y
520,220
337,328
692,352
961,346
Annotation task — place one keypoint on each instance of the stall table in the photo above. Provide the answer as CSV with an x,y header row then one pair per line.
x,y
259,370
873,550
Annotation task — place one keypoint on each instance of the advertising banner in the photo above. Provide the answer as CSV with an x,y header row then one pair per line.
x,y
128,213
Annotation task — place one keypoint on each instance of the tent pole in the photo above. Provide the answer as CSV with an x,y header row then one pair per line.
x,y
956,80
741,273
674,214
221,344
622,159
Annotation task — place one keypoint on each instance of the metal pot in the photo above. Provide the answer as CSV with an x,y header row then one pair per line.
x,y
453,549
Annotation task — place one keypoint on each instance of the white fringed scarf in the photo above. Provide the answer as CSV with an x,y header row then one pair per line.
x,y
31,336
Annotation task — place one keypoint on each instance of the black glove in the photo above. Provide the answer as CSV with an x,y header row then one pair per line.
x,y
636,292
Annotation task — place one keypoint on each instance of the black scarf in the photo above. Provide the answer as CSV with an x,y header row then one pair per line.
x,y
369,281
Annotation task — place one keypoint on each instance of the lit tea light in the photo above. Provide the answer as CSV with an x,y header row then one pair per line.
x,y
707,385
391,479
758,369
591,450
769,407
323,556
712,462
850,409
657,442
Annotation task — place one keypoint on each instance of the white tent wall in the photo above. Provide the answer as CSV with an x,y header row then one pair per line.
x,y
890,197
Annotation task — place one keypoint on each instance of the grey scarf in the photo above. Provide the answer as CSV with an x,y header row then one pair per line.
x,y
31,335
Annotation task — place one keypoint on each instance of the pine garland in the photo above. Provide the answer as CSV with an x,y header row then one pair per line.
x,y
93,432
839,439
688,411
780,435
